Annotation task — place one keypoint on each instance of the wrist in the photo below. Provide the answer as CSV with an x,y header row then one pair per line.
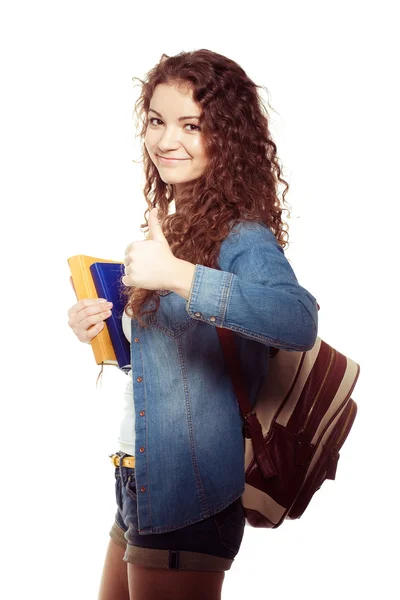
x,y
183,277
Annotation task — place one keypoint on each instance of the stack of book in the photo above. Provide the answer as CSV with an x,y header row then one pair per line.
x,y
101,278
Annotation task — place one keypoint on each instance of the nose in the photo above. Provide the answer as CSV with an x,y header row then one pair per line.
x,y
169,140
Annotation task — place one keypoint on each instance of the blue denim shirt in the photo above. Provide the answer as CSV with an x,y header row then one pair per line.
x,y
189,444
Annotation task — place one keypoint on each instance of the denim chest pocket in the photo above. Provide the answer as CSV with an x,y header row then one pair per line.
x,y
171,317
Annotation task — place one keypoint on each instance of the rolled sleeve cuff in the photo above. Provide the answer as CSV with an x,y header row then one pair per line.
x,y
209,295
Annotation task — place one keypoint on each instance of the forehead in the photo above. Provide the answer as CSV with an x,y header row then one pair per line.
x,y
174,100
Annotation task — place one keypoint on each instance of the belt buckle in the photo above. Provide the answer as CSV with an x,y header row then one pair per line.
x,y
114,459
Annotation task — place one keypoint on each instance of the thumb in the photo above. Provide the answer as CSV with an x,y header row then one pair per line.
x,y
156,231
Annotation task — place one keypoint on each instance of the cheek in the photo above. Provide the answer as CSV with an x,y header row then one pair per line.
x,y
198,149
203,155
149,140
197,145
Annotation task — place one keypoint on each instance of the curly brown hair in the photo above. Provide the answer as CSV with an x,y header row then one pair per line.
x,y
240,182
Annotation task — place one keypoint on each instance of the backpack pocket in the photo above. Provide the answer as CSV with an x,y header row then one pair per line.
x,y
326,464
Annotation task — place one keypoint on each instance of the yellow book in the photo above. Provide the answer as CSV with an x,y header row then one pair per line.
x,y
84,288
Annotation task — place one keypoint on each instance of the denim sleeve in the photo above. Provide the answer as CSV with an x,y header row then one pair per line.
x,y
256,292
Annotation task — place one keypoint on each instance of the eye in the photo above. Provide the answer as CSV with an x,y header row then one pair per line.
x,y
159,121
192,125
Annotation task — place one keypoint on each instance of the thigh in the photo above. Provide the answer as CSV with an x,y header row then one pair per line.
x,y
114,580
146,583
217,537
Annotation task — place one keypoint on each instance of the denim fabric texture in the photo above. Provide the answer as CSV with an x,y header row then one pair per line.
x,y
189,447
218,535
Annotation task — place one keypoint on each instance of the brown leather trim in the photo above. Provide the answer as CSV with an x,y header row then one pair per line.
x,y
324,438
342,395
183,560
307,364
271,387
319,391
261,502
117,534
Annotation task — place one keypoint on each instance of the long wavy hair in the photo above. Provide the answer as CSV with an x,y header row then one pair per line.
x,y
241,179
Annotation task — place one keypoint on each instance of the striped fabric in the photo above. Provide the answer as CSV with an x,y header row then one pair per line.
x,y
301,418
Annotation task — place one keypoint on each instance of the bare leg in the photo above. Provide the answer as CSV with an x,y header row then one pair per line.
x,y
148,583
114,580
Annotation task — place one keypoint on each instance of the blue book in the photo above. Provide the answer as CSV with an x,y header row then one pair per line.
x,y
107,280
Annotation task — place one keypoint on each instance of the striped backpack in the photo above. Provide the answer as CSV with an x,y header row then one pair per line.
x,y
292,437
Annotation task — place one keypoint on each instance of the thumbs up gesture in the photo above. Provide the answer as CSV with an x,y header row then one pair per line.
x,y
150,264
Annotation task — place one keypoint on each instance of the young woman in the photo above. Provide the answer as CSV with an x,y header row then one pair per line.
x,y
217,261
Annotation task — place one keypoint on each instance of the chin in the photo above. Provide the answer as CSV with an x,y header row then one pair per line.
x,y
171,180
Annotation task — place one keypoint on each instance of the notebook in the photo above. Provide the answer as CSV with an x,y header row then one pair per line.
x,y
110,346
107,280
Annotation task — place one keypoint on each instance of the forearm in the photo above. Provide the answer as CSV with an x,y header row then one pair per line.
x,y
284,316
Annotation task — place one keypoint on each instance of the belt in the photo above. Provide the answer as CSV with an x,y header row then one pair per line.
x,y
127,461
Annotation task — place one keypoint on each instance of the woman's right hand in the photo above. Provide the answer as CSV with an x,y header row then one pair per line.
x,y
86,317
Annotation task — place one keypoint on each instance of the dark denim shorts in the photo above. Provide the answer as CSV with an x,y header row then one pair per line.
x,y
208,545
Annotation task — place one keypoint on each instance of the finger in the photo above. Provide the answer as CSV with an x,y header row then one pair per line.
x,y
94,318
93,331
86,302
87,336
92,306
127,281
129,248
156,232
82,321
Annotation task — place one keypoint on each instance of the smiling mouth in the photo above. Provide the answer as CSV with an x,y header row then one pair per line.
x,y
171,160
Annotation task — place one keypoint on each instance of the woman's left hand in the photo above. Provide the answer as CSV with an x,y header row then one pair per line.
x,y
150,264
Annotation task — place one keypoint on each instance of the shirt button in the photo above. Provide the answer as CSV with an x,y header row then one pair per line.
x,y
197,314
143,489
141,413
139,379
142,449
212,319
136,340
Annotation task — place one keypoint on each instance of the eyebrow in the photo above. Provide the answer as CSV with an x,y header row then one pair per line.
x,y
180,118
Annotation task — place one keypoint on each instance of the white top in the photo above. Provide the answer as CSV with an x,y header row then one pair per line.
x,y
127,429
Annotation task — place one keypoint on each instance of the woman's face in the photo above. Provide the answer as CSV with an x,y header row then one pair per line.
x,y
173,138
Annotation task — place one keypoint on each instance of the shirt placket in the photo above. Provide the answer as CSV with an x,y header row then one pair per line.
x,y
139,398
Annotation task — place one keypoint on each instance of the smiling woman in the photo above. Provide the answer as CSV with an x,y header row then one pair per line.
x,y
218,261
207,146
174,141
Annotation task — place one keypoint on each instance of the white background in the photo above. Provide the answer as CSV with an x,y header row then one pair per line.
x,y
68,186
